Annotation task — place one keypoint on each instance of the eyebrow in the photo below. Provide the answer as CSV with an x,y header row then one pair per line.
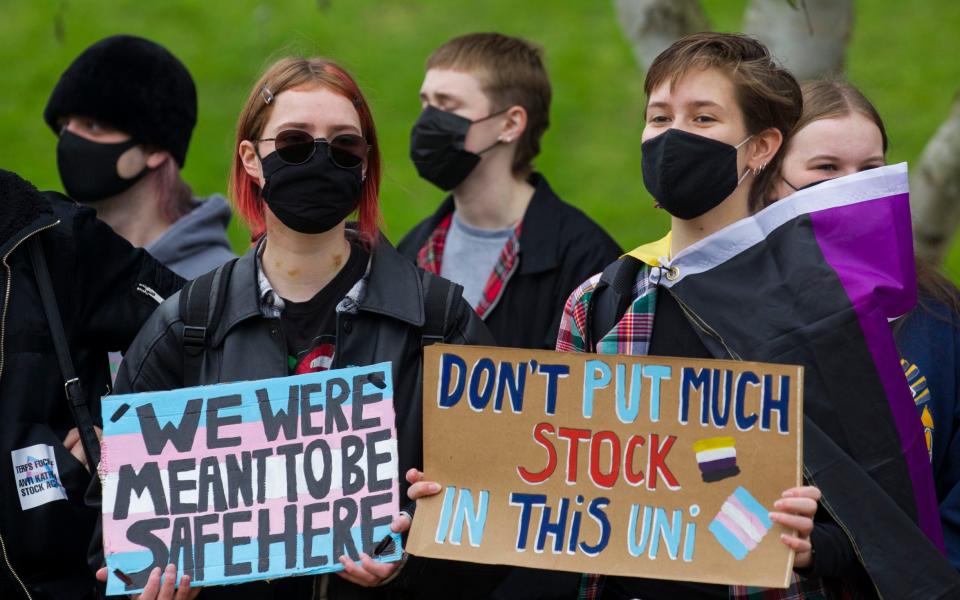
x,y
443,97
309,128
340,128
823,157
696,103
294,125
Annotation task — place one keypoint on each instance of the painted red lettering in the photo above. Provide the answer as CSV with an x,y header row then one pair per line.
x,y
540,431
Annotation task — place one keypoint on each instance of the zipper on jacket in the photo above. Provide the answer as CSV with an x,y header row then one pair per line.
x,y
149,292
3,335
846,531
702,325
3,547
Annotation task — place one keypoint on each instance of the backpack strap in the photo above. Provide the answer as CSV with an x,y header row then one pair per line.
x,y
439,295
610,299
71,386
196,299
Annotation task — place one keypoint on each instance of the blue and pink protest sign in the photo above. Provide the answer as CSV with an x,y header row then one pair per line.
x,y
251,480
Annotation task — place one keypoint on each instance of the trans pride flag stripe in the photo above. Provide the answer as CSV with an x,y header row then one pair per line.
x,y
741,523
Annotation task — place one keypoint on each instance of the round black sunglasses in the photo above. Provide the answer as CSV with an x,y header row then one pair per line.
x,y
296,147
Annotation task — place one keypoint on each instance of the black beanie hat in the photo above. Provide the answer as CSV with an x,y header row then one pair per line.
x,y
134,85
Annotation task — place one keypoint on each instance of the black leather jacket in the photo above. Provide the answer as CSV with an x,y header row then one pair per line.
x,y
246,345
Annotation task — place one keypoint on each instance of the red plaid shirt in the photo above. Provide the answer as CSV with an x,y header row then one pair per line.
x,y
430,258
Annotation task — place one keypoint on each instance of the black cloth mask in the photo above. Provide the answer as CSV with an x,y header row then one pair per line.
x,y
88,169
312,197
809,185
436,147
688,174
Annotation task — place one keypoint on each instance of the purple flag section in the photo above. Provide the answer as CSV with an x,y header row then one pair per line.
x,y
860,226
878,273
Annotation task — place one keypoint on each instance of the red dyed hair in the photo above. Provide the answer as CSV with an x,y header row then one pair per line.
x,y
285,74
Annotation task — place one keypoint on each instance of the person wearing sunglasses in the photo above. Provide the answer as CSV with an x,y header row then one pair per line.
x,y
502,232
315,292
124,111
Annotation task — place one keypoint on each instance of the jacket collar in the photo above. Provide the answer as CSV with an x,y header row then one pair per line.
x,y
654,251
540,247
24,210
393,290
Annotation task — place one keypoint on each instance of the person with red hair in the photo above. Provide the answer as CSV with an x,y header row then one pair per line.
x,y
314,292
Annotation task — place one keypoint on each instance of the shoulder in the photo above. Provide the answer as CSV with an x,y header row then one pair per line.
x,y
411,243
930,318
575,229
154,356
626,275
584,292
69,212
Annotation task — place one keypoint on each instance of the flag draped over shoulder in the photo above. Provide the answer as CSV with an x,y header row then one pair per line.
x,y
813,280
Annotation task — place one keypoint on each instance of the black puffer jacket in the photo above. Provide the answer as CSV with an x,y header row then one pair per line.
x,y
246,345
105,289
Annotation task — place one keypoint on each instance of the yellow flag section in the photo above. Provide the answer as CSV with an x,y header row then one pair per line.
x,y
620,465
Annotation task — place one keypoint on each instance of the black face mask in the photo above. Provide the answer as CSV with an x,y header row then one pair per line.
x,y
312,197
809,185
688,174
436,147
88,169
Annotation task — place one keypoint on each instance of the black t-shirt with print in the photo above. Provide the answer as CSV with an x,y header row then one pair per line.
x,y
310,327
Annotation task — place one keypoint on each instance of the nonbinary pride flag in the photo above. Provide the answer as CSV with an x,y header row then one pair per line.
x,y
813,280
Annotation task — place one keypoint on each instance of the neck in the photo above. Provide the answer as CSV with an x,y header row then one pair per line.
x,y
135,213
490,200
299,265
685,232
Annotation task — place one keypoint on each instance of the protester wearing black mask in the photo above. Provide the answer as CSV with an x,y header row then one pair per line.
x,y
125,110
315,292
719,109
502,233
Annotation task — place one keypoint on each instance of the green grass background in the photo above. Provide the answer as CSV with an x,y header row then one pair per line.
x,y
904,55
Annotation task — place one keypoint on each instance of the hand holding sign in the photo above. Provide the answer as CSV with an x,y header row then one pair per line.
x,y
798,507
167,590
252,480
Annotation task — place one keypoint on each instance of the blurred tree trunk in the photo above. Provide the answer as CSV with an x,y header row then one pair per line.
x,y
935,190
652,25
810,39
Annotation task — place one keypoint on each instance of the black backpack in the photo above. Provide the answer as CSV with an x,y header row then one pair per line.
x,y
611,299
202,301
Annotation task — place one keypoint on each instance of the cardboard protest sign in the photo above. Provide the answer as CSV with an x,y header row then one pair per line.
x,y
251,480
619,465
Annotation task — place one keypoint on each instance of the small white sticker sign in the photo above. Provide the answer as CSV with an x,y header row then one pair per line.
x,y
37,476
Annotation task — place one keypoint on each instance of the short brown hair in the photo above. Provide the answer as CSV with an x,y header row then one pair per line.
x,y
511,71
768,95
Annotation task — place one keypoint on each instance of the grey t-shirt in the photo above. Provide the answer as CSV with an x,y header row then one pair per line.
x,y
469,255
